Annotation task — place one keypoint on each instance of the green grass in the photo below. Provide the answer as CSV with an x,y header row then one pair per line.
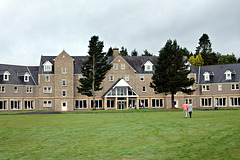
x,y
140,135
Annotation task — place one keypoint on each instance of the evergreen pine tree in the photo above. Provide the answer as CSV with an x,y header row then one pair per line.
x,y
134,53
94,69
171,74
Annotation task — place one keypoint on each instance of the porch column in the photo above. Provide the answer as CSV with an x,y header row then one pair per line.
x,y
127,103
116,103
137,102
105,103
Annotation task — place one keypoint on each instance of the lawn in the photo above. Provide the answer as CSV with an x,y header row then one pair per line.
x,y
135,135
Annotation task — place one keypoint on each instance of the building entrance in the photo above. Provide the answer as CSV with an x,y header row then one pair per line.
x,y
121,104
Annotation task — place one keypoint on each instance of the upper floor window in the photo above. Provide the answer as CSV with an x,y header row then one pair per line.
x,y
235,87
29,89
47,89
47,66
228,74
205,88
127,78
148,66
111,78
122,66
64,93
6,75
141,78
15,89
115,66
2,89
144,89
64,82
206,76
47,78
219,87
63,70
26,77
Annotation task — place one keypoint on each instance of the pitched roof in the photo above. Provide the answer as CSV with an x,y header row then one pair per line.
x,y
17,72
218,70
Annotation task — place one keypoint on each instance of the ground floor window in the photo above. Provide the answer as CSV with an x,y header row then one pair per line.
x,y
157,102
220,101
80,104
47,103
235,101
206,102
110,103
15,104
132,103
28,104
143,103
188,101
98,103
3,105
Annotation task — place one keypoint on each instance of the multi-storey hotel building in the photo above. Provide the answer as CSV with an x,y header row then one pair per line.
x,y
53,85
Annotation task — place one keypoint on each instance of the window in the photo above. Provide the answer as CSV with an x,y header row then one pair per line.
x,y
2,89
15,89
47,66
15,104
228,74
47,89
219,87
206,76
63,70
141,78
122,66
188,101
143,89
111,78
126,78
64,93
133,102
157,102
143,103
3,105
79,104
64,82
206,102
220,101
148,66
47,78
205,88
80,77
110,103
28,89
235,101
6,75
98,103
121,91
235,86
47,103
115,66
29,104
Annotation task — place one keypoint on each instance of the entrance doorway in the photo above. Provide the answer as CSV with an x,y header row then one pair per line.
x,y
121,104
64,106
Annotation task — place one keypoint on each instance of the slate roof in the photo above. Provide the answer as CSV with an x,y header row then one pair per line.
x,y
218,70
17,72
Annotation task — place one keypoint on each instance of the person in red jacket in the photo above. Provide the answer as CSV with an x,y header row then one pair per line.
x,y
185,109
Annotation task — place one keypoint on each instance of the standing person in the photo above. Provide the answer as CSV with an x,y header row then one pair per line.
x,y
185,109
190,109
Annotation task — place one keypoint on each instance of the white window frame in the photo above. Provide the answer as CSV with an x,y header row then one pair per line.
x,y
111,78
64,82
64,70
228,75
220,87
31,107
2,89
221,101
49,89
206,102
47,103
47,66
206,76
205,88
47,78
141,78
29,89
19,104
235,87
157,101
144,89
110,103
4,104
115,66
15,89
81,104
123,67
6,75
99,103
127,78
188,100
64,93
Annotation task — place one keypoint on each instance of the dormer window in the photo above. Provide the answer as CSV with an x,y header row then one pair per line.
x,y
229,73
6,75
206,76
148,66
26,77
47,66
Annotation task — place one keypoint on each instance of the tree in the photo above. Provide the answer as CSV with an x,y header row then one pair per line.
x,y
123,51
93,69
205,49
146,53
185,52
134,53
226,59
110,52
198,61
171,72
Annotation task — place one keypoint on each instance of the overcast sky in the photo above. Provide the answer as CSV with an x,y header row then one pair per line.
x,y
31,28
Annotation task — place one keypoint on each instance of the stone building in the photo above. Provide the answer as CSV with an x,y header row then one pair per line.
x,y
53,85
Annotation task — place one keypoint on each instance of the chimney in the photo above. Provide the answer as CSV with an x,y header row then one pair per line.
x,y
115,52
